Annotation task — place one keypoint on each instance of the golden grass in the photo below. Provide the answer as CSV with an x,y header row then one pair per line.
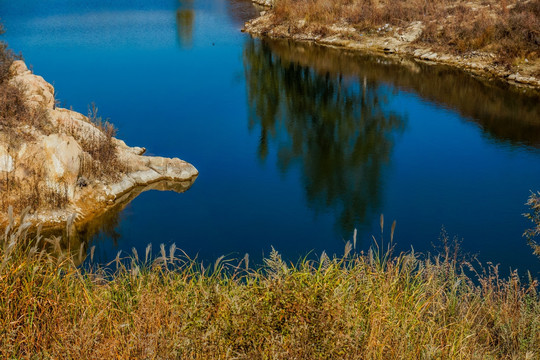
x,y
102,161
358,306
510,29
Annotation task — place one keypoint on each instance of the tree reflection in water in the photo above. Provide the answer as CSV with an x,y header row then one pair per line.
x,y
334,127
185,21
506,114
78,237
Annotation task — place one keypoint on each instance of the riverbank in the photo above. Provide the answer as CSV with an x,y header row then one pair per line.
x,y
355,306
502,42
61,166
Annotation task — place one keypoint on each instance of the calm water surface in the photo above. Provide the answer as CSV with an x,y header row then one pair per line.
x,y
296,145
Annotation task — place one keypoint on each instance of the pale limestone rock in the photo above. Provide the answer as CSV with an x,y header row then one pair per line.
x,y
150,169
72,122
412,32
144,176
268,3
134,150
121,187
6,161
38,92
55,159
62,162
63,156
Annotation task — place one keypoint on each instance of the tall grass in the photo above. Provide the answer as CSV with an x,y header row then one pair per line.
x,y
103,156
356,306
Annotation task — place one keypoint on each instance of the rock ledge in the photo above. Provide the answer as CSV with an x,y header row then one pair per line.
x,y
58,155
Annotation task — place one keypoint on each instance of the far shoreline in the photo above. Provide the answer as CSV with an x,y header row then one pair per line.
x,y
404,45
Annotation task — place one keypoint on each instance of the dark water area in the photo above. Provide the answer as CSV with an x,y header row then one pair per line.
x,y
296,145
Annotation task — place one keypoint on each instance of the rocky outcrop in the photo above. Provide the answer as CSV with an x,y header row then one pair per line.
x,y
54,156
401,41
267,3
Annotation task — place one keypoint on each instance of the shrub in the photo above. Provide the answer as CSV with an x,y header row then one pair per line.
x,y
532,233
103,158
6,59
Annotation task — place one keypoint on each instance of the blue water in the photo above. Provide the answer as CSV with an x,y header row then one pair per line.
x,y
296,145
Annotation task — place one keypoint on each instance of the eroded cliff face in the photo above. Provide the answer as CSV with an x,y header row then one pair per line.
x,y
59,163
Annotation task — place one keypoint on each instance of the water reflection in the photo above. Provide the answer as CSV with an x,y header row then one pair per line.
x,y
335,128
185,21
77,238
505,113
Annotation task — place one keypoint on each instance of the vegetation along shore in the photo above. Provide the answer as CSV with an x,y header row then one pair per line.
x,y
355,306
161,304
495,38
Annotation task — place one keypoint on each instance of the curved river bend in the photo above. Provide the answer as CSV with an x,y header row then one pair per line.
x,y
296,145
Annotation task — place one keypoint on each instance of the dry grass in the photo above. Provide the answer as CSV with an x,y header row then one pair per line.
x,y
103,157
358,306
509,29
363,14
6,59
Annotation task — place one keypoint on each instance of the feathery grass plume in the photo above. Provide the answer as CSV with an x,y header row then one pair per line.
x,y
92,250
246,261
324,261
147,252
163,257
217,264
81,253
117,260
347,250
135,254
172,252
275,265
392,231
